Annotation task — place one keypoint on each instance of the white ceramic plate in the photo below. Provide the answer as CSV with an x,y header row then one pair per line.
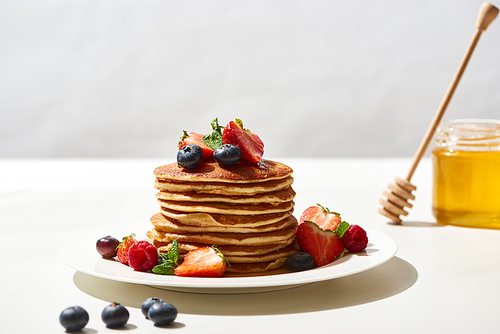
x,y
81,255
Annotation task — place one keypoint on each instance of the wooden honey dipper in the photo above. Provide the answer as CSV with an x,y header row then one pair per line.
x,y
401,191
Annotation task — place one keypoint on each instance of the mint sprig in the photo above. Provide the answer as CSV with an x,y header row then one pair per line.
x,y
214,138
341,228
168,261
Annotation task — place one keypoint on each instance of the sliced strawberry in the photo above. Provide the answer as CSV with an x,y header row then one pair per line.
x,y
323,217
252,148
323,245
202,262
123,248
142,256
196,139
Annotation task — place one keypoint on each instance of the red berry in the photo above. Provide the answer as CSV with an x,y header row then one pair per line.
x,y
142,256
123,248
202,262
196,139
250,145
322,216
355,239
323,245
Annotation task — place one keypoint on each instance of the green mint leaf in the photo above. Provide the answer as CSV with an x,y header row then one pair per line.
x,y
173,253
168,261
163,257
216,126
165,268
340,230
214,138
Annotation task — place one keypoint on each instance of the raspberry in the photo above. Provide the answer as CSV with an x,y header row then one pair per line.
x,y
355,239
142,256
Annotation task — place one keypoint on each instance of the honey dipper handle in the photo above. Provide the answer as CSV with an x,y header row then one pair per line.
x,y
487,14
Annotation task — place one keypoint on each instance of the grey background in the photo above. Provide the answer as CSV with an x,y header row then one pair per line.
x,y
120,78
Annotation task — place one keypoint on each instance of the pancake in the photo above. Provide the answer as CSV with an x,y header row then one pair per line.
x,y
271,256
206,220
165,224
274,197
260,267
285,236
245,209
229,209
224,188
231,250
211,171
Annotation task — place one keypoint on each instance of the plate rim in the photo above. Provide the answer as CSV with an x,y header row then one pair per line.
x,y
323,273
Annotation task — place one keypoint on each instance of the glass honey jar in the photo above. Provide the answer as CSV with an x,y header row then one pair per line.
x,y
466,173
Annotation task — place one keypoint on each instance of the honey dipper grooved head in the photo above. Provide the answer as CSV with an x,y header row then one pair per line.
x,y
397,200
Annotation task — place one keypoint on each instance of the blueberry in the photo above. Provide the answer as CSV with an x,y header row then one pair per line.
x,y
162,313
115,315
147,304
106,246
227,155
300,261
74,318
189,156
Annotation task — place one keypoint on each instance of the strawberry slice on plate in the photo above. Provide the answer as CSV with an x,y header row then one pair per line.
x,y
250,145
202,262
196,139
323,245
322,216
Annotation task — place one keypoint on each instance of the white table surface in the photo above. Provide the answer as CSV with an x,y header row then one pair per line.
x,y
443,279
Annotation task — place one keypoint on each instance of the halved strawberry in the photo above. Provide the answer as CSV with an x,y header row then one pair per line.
x,y
322,216
252,148
202,262
323,245
196,139
123,247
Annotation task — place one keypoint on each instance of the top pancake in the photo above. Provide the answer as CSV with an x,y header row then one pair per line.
x,y
211,171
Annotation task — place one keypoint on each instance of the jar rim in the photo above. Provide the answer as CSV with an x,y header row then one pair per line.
x,y
469,134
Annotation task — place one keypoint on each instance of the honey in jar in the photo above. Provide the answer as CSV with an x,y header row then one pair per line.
x,y
466,173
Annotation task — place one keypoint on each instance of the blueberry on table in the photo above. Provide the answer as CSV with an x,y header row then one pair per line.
x,y
147,304
189,156
115,315
227,155
300,261
162,313
107,246
74,318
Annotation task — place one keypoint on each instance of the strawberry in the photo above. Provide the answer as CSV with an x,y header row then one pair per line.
x,y
142,256
252,148
123,248
323,245
323,217
202,262
196,139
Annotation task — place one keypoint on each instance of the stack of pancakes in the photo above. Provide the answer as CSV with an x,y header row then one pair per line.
x,y
246,210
